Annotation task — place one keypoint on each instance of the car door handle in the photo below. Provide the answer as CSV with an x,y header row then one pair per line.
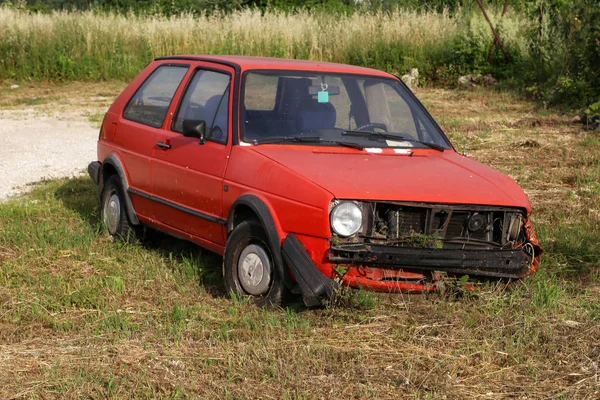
x,y
163,145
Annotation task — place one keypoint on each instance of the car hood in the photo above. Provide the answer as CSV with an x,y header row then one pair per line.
x,y
427,175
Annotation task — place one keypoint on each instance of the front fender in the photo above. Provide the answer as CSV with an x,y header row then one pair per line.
x,y
271,226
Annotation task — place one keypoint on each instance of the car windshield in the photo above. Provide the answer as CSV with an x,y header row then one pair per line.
x,y
334,109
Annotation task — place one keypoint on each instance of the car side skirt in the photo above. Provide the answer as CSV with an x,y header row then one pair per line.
x,y
178,207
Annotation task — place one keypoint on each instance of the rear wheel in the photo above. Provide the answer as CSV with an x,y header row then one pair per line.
x,y
113,212
248,266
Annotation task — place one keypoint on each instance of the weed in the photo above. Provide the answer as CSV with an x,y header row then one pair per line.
x,y
415,239
358,299
96,118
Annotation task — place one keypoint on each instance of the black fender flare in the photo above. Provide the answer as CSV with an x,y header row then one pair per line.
x,y
266,220
114,161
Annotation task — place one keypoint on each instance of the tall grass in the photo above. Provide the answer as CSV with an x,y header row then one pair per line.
x,y
92,46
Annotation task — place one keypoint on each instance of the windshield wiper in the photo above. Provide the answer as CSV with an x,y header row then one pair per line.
x,y
373,135
428,144
352,145
285,139
306,139
392,136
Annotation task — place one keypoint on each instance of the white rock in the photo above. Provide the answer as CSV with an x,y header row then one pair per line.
x,y
411,79
489,80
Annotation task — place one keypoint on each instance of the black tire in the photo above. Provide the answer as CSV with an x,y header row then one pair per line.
x,y
117,223
246,234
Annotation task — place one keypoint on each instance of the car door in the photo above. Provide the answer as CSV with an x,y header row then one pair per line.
x,y
188,175
135,133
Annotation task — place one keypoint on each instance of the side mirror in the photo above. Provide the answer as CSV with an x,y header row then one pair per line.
x,y
194,128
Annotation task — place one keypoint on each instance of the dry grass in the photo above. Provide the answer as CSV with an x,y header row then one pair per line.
x,y
82,316
90,46
71,100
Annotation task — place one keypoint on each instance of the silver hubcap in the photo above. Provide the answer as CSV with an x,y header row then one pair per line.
x,y
254,270
112,213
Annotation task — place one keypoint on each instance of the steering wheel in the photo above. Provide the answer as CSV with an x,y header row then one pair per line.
x,y
372,126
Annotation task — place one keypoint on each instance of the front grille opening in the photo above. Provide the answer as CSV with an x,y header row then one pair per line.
x,y
389,221
435,226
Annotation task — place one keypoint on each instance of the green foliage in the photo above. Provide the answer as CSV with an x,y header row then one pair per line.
x,y
358,299
564,47
415,239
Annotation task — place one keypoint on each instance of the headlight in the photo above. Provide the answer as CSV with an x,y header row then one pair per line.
x,y
346,218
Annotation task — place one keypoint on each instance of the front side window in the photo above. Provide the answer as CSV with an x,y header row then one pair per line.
x,y
332,108
206,99
150,103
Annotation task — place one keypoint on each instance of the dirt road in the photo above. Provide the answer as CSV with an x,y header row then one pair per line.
x,y
35,147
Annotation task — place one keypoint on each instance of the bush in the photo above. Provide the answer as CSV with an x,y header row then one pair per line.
x,y
565,62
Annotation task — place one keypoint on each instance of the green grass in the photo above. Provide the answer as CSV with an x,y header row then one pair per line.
x,y
96,118
84,316
31,102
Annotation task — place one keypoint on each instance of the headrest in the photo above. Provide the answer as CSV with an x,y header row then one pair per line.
x,y
210,108
214,120
312,115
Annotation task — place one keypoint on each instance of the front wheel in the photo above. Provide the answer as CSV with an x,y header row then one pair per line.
x,y
248,266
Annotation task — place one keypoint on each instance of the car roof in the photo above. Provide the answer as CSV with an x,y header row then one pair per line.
x,y
246,63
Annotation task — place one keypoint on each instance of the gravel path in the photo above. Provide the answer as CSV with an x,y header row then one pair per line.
x,y
36,147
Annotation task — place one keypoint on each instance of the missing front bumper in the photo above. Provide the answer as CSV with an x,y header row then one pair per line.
x,y
500,263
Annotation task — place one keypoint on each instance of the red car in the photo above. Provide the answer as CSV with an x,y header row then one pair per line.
x,y
304,175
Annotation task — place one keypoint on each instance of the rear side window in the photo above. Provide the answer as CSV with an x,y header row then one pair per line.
x,y
149,105
206,99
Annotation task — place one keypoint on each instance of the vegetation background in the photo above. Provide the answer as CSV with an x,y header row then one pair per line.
x,y
553,46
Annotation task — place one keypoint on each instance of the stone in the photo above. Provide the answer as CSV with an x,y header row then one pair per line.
x,y
489,80
411,79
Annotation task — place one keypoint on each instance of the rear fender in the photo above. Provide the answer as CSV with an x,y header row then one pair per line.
x,y
114,161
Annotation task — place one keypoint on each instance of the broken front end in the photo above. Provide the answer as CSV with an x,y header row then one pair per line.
x,y
396,246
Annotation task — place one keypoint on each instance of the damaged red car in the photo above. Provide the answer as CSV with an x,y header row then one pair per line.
x,y
304,175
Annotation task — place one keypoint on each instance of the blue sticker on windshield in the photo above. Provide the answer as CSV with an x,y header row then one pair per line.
x,y
323,97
